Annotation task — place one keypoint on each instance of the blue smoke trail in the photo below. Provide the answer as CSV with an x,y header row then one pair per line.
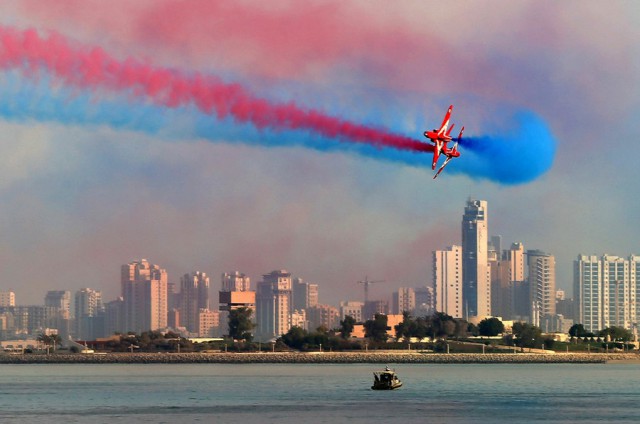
x,y
518,155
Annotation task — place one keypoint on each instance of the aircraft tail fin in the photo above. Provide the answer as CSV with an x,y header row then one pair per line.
x,y
450,129
455,145
445,121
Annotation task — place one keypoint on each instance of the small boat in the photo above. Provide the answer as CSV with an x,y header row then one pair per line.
x,y
385,380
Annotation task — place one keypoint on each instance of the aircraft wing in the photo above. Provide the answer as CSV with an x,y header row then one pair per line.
x,y
442,167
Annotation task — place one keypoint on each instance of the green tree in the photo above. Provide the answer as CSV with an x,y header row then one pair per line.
x,y
45,339
322,330
577,330
490,327
56,341
442,325
376,328
419,328
403,329
346,326
298,338
240,324
549,343
318,338
617,334
449,327
295,338
49,340
472,329
527,335
461,328
144,340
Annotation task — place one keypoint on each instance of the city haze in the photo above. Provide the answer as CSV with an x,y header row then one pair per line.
x,y
114,179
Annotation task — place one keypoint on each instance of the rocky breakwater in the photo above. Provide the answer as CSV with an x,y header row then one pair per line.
x,y
317,358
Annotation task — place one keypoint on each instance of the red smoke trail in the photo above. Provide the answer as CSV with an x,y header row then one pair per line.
x,y
94,68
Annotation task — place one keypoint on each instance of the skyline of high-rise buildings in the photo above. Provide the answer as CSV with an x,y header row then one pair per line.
x,y
476,276
479,279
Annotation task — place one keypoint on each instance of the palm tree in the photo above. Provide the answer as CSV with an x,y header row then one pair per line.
x,y
45,339
56,340
51,340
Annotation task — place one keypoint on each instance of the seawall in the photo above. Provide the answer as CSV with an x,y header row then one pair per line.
x,y
318,358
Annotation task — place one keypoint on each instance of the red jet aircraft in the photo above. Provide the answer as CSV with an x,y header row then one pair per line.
x,y
440,137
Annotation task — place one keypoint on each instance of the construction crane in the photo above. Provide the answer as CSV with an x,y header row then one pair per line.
x,y
366,282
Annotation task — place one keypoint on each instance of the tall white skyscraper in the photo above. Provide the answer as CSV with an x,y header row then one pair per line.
x,y
542,285
273,304
476,276
60,299
326,316
619,292
447,281
606,291
353,309
8,298
235,292
587,290
515,255
305,295
403,300
88,307
235,282
634,270
144,293
425,300
500,286
194,296
509,288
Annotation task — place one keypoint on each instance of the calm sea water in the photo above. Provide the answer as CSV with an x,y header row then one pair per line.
x,y
212,393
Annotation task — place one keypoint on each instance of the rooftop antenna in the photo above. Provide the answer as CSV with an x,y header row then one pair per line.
x,y
366,282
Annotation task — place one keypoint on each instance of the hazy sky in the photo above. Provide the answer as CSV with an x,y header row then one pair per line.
x,y
101,164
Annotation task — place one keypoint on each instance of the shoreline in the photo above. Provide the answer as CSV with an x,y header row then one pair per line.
x,y
323,358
